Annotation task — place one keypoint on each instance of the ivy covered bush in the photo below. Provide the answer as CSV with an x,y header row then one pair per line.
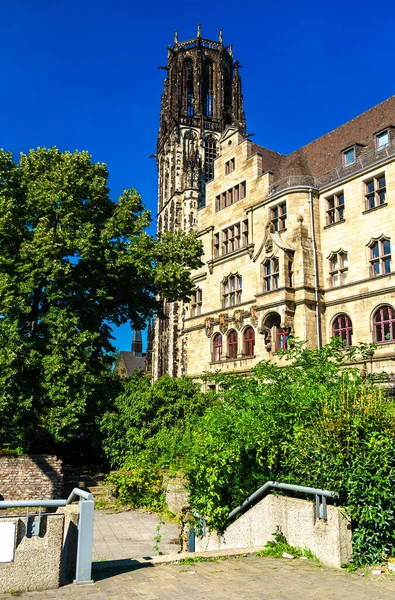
x,y
313,420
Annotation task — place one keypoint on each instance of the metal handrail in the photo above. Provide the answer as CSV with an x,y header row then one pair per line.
x,y
85,527
320,495
46,503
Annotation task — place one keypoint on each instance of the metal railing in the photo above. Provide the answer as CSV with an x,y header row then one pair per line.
x,y
365,159
320,505
83,572
320,497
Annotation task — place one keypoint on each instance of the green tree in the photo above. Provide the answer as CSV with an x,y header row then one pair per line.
x,y
71,262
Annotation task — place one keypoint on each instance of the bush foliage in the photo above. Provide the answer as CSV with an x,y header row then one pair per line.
x,y
313,419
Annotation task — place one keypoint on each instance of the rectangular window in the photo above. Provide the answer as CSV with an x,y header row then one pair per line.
x,y
375,192
278,217
216,245
229,166
245,232
231,238
196,303
335,208
382,139
349,157
229,197
238,192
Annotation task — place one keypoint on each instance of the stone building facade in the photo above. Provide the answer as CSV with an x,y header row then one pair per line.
x,y
296,245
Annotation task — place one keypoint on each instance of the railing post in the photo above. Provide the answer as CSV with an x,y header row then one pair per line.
x,y
83,572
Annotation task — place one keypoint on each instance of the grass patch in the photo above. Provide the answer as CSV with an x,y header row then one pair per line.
x,y
279,546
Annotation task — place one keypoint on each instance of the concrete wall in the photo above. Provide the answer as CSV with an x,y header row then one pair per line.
x,y
329,540
36,564
30,477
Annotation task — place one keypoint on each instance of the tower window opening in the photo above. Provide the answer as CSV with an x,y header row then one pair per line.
x,y
210,154
209,89
188,68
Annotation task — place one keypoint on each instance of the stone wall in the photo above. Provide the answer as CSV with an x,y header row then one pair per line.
x,y
30,477
330,540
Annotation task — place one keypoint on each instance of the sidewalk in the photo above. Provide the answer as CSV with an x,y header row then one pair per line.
x,y
129,534
248,578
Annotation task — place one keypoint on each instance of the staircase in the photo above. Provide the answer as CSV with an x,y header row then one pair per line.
x,y
86,478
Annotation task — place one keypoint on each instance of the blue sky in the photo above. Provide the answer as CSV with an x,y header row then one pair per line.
x,y
83,75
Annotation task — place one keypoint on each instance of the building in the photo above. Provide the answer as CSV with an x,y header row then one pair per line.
x,y
129,362
293,245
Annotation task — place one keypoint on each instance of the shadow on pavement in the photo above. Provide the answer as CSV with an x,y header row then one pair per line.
x,y
108,568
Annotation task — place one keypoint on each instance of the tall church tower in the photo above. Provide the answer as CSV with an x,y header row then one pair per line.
x,y
202,96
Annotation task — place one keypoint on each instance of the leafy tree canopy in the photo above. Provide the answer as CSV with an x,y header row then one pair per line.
x,y
71,262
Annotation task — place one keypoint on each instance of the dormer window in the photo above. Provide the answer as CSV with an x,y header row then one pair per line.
x,y
349,157
382,139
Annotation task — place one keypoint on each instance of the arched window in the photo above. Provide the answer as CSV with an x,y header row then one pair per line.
x,y
380,256
342,328
209,88
249,341
217,347
338,268
210,154
232,344
188,86
232,290
271,274
384,324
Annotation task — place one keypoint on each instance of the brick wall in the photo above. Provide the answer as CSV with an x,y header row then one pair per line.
x,y
30,477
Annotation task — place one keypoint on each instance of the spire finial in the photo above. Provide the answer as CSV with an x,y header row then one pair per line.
x,y
230,50
199,32
220,36
176,37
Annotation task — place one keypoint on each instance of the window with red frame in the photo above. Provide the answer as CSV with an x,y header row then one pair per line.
x,y
249,341
232,344
384,325
283,337
342,328
217,347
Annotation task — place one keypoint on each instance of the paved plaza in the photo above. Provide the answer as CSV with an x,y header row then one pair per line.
x,y
245,578
130,534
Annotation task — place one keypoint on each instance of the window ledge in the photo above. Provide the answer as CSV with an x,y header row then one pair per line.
x,y
381,276
229,360
386,343
248,249
334,224
369,210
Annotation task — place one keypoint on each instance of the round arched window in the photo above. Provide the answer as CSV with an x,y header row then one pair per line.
x,y
342,328
232,344
217,347
384,324
249,341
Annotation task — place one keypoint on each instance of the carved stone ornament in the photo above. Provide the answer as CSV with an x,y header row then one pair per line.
x,y
269,246
268,338
223,323
254,316
238,319
209,326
